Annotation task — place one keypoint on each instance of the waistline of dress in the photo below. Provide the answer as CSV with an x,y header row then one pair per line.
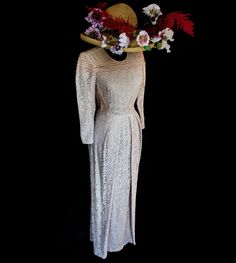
x,y
131,114
117,112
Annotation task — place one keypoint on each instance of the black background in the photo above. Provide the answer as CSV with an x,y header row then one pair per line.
x,y
172,199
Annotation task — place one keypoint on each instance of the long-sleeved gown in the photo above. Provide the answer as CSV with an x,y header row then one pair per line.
x,y
110,97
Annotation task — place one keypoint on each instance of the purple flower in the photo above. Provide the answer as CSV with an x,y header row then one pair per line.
x,y
96,17
116,50
93,32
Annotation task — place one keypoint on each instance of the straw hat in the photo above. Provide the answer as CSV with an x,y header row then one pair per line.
x,y
126,13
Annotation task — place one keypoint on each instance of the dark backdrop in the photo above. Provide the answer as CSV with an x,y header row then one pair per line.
x,y
171,218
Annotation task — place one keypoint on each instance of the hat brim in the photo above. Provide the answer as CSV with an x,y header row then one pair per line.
x,y
98,43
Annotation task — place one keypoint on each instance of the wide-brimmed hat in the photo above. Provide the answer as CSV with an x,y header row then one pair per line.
x,y
116,28
119,13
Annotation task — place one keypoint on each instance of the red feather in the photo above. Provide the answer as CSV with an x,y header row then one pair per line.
x,y
181,20
119,24
102,5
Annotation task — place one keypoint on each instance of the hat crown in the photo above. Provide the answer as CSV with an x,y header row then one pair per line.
x,y
124,12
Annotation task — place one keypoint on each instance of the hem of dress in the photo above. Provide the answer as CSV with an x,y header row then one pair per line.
x,y
120,248
114,250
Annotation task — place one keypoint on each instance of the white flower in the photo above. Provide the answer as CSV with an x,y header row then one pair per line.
x,y
167,34
116,50
164,36
164,45
143,38
153,12
123,40
104,44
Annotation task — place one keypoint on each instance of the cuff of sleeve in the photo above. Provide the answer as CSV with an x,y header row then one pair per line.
x,y
142,125
87,141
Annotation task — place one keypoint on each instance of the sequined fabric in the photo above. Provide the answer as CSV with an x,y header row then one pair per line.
x,y
111,125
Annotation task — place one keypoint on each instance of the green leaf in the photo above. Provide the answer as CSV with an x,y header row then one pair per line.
x,y
147,48
159,45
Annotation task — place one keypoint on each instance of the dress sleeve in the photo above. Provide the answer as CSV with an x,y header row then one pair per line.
x,y
85,91
140,98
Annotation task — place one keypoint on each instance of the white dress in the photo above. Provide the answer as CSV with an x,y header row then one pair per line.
x,y
111,125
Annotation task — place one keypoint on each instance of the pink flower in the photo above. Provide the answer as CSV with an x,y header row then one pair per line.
x,y
166,34
143,38
163,37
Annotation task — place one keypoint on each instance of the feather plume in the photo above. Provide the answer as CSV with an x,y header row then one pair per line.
x,y
178,19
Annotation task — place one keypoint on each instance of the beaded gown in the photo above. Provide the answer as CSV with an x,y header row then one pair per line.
x,y
110,96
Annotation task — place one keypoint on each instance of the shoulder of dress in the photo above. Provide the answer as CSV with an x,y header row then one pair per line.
x,y
94,55
91,51
138,56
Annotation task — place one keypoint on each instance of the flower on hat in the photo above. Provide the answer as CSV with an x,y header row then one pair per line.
x,y
117,32
93,32
104,44
124,40
122,43
153,11
116,50
143,38
96,17
162,39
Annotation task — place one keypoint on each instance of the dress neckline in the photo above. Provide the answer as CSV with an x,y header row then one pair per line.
x,y
113,60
